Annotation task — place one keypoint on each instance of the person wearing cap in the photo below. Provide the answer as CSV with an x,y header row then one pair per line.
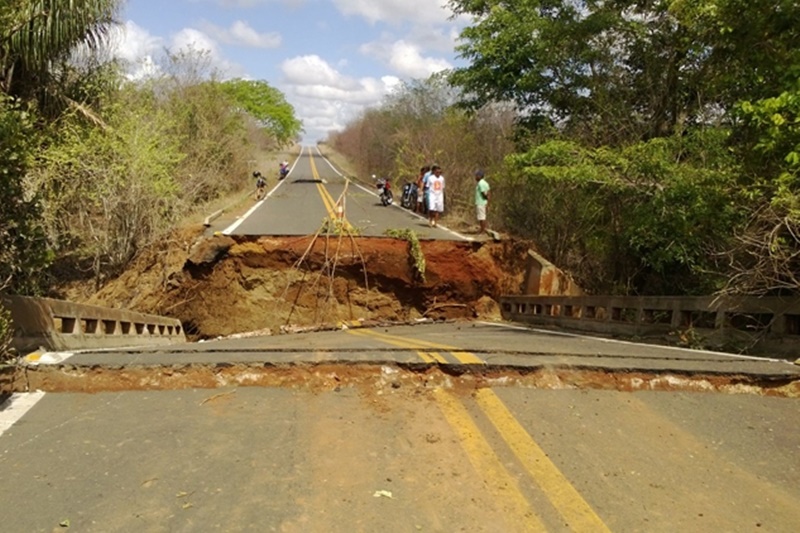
x,y
482,194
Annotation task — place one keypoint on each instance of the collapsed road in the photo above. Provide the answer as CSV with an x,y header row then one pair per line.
x,y
442,426
344,381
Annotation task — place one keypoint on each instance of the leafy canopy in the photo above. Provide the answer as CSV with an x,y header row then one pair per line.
x,y
266,104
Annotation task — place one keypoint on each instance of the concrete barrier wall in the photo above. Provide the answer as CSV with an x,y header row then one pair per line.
x,y
762,325
544,278
57,325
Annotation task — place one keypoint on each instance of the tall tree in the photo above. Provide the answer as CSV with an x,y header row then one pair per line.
x,y
23,252
267,105
625,70
37,36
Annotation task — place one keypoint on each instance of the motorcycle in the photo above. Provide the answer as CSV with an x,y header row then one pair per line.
x,y
261,185
385,189
283,172
409,197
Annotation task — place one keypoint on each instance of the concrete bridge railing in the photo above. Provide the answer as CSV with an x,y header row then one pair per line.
x,y
58,325
768,324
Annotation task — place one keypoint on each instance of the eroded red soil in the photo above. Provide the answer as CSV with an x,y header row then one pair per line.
x,y
220,285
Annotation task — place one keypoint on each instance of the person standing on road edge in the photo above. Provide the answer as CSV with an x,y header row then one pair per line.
x,y
435,196
426,189
482,194
420,207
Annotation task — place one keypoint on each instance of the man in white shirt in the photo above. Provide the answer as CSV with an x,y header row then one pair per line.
x,y
435,195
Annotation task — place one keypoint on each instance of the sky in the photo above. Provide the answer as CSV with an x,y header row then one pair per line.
x,y
330,58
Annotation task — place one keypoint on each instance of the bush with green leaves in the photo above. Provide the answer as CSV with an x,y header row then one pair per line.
x,y
766,255
646,219
107,191
6,334
23,251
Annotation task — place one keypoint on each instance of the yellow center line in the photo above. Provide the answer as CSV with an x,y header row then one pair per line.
x,y
425,357
327,199
438,357
503,486
468,358
320,189
565,498
364,333
461,356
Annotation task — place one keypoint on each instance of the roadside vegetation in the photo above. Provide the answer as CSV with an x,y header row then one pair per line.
x,y
646,148
95,165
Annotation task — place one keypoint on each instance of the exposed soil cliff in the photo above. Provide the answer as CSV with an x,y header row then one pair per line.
x,y
221,285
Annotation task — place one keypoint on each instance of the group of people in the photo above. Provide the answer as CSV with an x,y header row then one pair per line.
x,y
430,195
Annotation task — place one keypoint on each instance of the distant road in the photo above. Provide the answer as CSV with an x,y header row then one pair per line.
x,y
312,192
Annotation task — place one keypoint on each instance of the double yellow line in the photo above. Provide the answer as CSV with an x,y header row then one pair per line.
x,y
505,486
422,348
327,199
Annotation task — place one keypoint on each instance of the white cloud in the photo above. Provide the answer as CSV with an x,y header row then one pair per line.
x,y
441,39
313,70
190,40
396,11
250,3
405,58
137,47
242,34
324,98
144,52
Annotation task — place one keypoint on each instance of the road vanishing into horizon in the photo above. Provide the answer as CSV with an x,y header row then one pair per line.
x,y
315,191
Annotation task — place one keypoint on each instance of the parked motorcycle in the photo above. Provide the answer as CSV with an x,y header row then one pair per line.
x,y
385,189
409,197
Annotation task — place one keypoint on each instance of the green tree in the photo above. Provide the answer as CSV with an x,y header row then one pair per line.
x,y
766,258
699,95
267,105
23,255
652,218
419,124
38,38
108,191
623,71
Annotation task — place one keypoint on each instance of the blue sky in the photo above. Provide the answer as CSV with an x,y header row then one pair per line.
x,y
331,58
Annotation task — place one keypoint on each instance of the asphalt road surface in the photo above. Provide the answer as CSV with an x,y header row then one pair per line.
x,y
315,191
405,450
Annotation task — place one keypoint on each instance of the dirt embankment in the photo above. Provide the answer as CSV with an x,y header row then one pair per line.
x,y
221,285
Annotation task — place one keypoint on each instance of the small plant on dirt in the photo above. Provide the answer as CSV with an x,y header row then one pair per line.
x,y
338,227
332,233
690,338
414,247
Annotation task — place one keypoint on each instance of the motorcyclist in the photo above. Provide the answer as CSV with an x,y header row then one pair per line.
x,y
385,187
261,184
284,170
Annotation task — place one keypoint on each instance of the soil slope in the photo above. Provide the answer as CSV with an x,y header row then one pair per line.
x,y
218,285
